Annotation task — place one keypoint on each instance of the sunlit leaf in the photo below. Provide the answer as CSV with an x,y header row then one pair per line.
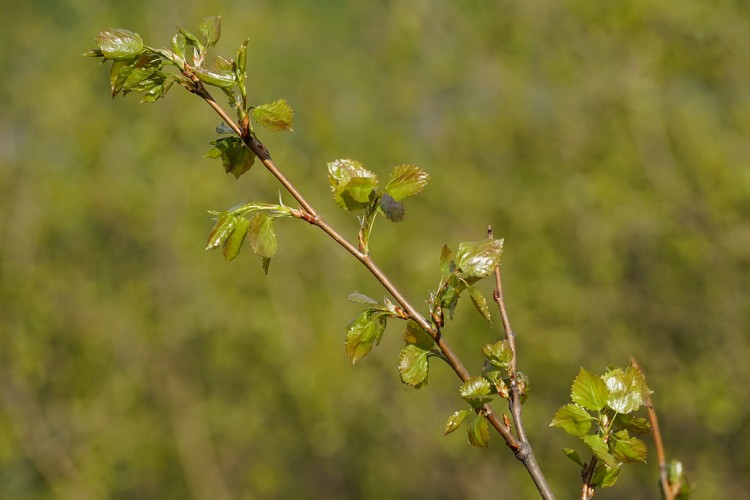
x,y
413,366
234,243
276,116
366,329
573,419
479,432
499,353
405,181
476,391
454,421
210,28
262,235
342,174
242,62
118,43
235,156
627,389
589,391
223,78
479,258
447,266
598,447
178,45
225,224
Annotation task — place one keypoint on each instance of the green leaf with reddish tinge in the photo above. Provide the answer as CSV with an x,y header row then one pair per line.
x,y
598,447
276,116
500,354
479,432
589,391
454,421
478,258
262,235
222,78
225,224
119,44
405,181
366,329
573,419
480,303
417,336
627,449
242,61
235,156
413,366
210,28
476,391
233,244
393,210
447,265
626,389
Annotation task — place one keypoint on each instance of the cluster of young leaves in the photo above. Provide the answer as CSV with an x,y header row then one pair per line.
x,y
137,67
251,221
356,189
601,415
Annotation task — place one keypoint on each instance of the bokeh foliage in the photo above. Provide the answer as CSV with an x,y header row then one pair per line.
x,y
607,143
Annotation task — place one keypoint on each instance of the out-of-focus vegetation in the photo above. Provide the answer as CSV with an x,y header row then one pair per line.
x,y
607,142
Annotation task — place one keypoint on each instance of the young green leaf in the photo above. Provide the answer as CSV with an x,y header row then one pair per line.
x,y
454,421
210,28
119,44
500,354
222,78
573,455
479,258
633,424
589,391
262,236
242,63
476,391
225,224
393,210
598,447
235,156
276,116
678,481
158,90
179,44
479,432
366,329
480,303
627,449
362,299
118,74
573,419
234,243
627,389
405,181
415,335
192,40
413,366
345,173
605,476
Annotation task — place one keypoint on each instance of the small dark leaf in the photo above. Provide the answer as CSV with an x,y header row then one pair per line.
x,y
573,419
405,181
366,329
262,236
235,156
210,28
454,421
119,44
276,116
476,391
225,224
234,243
479,258
479,432
413,366
266,264
589,391
393,210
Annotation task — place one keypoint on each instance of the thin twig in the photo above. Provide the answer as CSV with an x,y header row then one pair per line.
x,y
656,433
587,491
522,450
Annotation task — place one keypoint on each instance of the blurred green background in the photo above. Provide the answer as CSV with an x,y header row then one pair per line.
x,y
608,142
